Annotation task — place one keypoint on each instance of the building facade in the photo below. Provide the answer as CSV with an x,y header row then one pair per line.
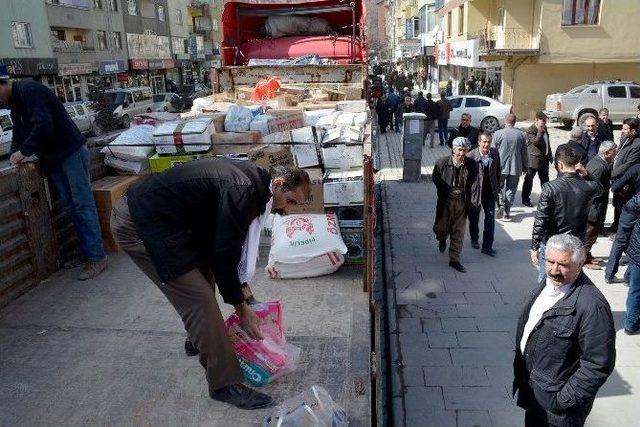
x,y
180,28
25,46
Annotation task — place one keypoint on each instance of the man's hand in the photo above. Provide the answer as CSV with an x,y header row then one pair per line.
x,y
17,158
581,170
534,257
249,321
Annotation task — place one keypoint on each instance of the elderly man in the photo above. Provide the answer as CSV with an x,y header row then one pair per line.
x,y
488,161
465,130
565,341
456,179
539,147
187,223
563,207
512,149
599,169
591,139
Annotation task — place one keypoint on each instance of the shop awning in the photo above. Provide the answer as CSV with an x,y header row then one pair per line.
x,y
449,6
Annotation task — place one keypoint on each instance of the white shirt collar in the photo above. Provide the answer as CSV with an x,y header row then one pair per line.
x,y
552,290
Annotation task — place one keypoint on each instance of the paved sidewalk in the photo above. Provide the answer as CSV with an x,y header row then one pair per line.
x,y
453,333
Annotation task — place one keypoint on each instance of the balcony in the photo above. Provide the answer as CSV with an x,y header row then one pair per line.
x,y
70,46
201,29
499,41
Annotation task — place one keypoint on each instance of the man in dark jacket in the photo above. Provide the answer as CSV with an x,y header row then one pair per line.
x,y
456,179
42,126
565,341
605,125
591,139
465,130
393,101
632,317
420,104
539,148
563,206
445,112
189,222
599,169
627,222
628,155
405,107
576,143
432,111
489,169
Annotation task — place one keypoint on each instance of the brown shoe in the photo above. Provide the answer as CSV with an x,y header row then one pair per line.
x,y
593,266
92,269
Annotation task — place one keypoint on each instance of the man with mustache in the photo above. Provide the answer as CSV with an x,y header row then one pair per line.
x,y
565,341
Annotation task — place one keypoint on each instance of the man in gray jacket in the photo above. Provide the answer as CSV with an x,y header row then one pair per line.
x,y
512,147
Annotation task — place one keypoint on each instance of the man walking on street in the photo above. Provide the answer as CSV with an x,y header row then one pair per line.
x,y
488,161
42,126
393,101
599,169
628,155
563,207
456,180
433,115
443,121
565,341
539,148
465,130
632,316
627,222
512,148
405,107
190,222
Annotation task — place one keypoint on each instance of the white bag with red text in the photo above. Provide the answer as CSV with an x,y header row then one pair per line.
x,y
305,246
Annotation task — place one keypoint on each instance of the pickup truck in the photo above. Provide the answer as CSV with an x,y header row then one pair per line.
x,y
621,98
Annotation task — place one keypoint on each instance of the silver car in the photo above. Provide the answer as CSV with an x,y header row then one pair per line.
x,y
168,101
84,117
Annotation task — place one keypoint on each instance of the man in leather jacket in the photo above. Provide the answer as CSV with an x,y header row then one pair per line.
x,y
563,207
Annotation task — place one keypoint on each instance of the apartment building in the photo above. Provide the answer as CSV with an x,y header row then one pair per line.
x,y
180,29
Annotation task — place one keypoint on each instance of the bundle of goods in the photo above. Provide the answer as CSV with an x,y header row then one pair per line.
x,y
129,152
265,360
182,137
305,246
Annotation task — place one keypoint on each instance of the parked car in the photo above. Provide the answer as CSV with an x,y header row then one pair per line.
x,y
191,92
168,101
84,117
621,98
6,132
486,113
129,102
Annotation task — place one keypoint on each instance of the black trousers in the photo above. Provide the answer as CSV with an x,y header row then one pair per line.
x,y
543,176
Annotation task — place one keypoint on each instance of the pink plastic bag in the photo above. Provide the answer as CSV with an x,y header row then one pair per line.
x,y
265,360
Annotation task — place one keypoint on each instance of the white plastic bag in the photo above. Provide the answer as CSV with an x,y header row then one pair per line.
x,y
121,148
238,119
312,408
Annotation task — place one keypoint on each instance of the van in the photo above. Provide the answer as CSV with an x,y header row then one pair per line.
x,y
130,102
6,132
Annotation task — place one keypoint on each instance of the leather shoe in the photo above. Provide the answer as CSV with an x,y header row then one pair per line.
x,y
457,266
190,349
475,245
628,332
490,252
527,204
442,245
242,397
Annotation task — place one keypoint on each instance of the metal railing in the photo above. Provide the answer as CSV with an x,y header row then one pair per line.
x,y
70,46
498,39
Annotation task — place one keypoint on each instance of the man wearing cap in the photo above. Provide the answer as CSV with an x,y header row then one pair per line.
x,y
42,126
456,179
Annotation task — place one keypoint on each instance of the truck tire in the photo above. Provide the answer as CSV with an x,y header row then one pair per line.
x,y
584,115
568,124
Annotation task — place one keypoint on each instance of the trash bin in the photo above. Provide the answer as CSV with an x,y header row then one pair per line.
x,y
412,142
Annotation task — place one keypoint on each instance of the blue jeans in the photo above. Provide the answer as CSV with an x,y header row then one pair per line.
x,y
443,131
542,261
632,318
489,208
71,178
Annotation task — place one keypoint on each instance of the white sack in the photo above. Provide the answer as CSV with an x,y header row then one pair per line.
x,y
238,119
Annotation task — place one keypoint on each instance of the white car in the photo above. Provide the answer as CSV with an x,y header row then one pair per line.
x,y
84,117
168,101
487,114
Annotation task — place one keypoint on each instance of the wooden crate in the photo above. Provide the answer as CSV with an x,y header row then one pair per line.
x,y
106,192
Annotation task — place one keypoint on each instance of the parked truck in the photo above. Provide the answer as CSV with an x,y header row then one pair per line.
x,y
621,98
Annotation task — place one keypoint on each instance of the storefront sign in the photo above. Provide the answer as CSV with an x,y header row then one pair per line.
x,y
139,64
112,67
410,47
443,52
148,46
30,66
122,77
76,69
155,64
464,54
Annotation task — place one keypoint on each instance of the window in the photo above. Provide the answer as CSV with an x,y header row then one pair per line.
x,y
161,13
214,25
132,7
460,20
21,34
449,24
117,39
474,102
142,95
500,17
617,92
455,102
57,34
179,16
113,5
97,4
634,91
416,26
580,12
101,37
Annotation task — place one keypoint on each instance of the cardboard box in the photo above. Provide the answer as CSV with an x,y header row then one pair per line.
x,y
286,122
342,157
305,155
162,163
232,150
269,156
106,192
315,203
357,106
240,138
354,240
190,136
343,188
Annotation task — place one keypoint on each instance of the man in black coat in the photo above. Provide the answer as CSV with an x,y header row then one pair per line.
x,y
599,169
628,155
489,171
42,126
432,111
191,221
565,341
605,125
465,130
539,148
